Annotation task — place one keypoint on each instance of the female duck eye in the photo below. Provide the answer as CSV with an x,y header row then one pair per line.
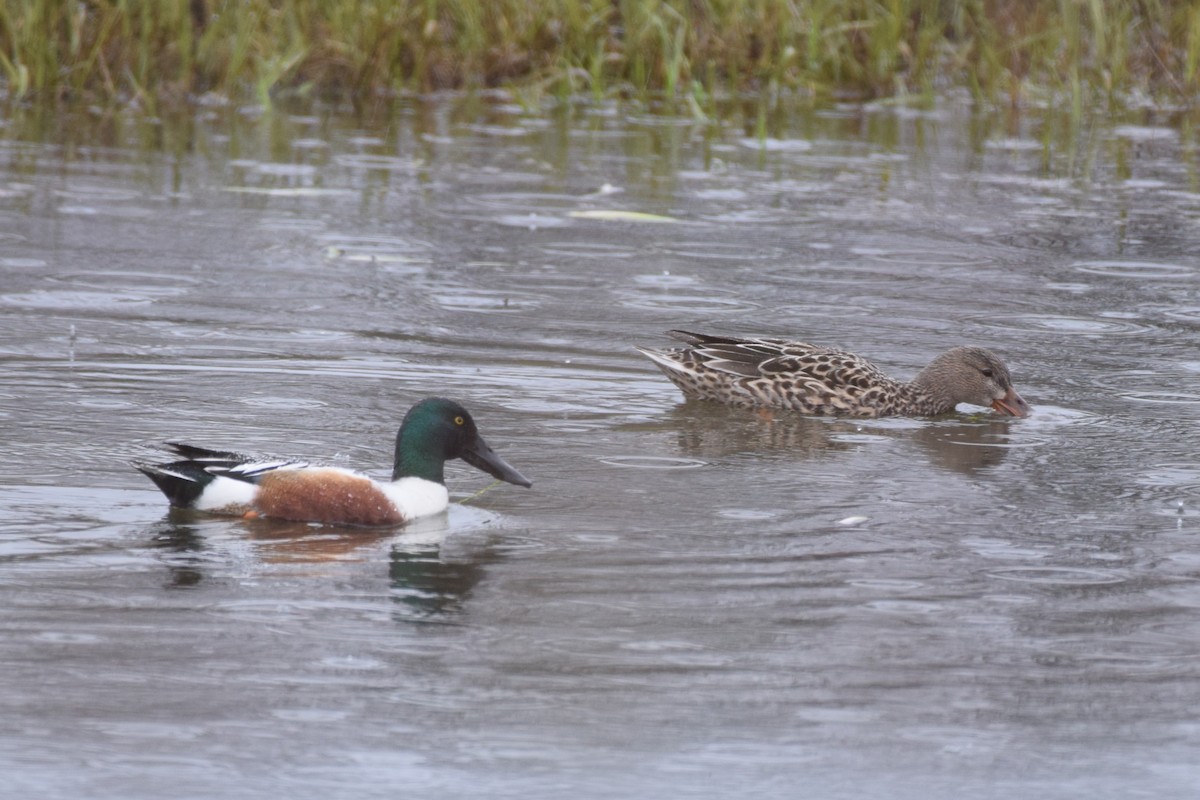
x,y
459,420
987,373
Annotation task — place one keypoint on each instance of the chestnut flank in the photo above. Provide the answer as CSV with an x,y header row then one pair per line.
x,y
324,495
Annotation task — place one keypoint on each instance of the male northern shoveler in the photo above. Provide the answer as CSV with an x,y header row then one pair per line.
x,y
434,431
775,373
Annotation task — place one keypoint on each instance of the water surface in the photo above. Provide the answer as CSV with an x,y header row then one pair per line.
x,y
691,601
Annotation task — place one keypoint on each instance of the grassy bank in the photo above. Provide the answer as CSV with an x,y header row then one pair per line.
x,y
1002,50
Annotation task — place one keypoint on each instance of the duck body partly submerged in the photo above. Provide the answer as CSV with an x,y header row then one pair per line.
x,y
811,379
434,431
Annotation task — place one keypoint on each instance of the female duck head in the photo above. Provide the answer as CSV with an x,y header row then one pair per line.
x,y
972,375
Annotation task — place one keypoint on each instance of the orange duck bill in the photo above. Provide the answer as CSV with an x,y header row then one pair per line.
x,y
1012,404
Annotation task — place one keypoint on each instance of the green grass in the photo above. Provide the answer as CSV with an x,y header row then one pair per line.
x,y
164,51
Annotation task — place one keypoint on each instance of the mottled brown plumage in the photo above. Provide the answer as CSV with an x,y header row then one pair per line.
x,y
775,373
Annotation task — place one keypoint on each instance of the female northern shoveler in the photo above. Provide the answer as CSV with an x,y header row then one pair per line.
x,y
774,373
434,431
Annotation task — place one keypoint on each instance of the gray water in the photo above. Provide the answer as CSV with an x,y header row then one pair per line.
x,y
692,601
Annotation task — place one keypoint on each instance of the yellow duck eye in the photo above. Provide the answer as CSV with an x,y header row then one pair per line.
x,y
459,420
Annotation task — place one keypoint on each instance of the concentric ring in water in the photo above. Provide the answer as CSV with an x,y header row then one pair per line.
x,y
1008,445
532,221
722,251
747,514
1173,476
710,302
1144,386
1164,398
1134,269
282,403
524,201
1069,326
379,162
928,258
858,438
1187,313
352,243
488,302
1055,576
653,462
96,194
588,249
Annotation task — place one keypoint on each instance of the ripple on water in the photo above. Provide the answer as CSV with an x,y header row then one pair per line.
x,y
907,608
58,637
11,190
1134,269
653,462
276,169
384,163
525,201
1143,183
805,311
723,251
776,145
197,333
751,216
485,301
532,220
1014,144
727,195
1145,133
145,283
67,300
96,194
588,250
998,441
710,301
1172,476
929,258
887,584
1066,286
387,250
1072,326
309,715
1034,240
1148,386
386,244
665,280
310,145
299,192
747,514
1187,313
104,403
1164,398
1055,576
664,121
282,403
1053,416
859,438
526,127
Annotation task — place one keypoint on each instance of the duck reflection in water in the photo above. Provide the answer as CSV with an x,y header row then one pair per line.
x,y
429,576
706,430
432,584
